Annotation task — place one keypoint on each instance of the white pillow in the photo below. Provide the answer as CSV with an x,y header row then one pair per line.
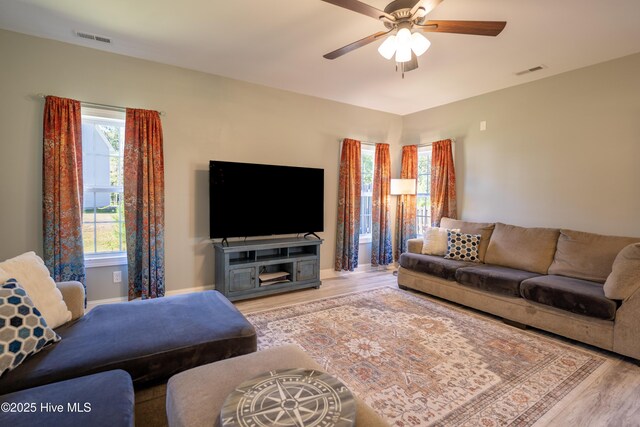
x,y
29,270
434,241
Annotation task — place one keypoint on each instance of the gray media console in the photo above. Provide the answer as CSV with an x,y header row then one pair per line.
x,y
262,267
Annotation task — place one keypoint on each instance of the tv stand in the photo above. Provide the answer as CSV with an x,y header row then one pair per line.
x,y
239,265
311,233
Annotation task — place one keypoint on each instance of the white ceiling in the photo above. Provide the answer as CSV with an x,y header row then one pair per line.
x,y
280,43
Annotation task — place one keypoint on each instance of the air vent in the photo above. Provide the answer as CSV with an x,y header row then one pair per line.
x,y
94,37
531,70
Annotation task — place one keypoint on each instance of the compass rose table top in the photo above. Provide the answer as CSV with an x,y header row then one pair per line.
x,y
290,398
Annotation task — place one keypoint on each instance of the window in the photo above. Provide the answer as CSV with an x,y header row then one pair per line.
x,y
423,197
367,155
103,229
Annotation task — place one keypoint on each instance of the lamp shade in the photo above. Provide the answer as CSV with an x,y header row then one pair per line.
x,y
388,47
403,45
419,44
400,187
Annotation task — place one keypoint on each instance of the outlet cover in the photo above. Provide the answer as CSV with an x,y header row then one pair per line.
x,y
117,277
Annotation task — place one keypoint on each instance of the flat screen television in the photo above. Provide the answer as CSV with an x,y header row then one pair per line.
x,y
248,199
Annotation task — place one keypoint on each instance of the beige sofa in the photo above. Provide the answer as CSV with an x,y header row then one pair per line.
x,y
550,279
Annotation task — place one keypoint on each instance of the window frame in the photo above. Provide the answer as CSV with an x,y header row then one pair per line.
x,y
422,151
370,149
108,117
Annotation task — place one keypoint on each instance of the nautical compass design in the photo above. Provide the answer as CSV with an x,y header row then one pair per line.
x,y
290,398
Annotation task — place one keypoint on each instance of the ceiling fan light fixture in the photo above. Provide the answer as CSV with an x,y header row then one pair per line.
x,y
419,43
403,54
403,37
388,47
403,45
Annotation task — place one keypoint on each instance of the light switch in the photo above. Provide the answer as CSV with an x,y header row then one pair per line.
x,y
483,125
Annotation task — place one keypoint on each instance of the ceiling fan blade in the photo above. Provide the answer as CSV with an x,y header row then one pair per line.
x,y
423,7
478,28
353,46
362,8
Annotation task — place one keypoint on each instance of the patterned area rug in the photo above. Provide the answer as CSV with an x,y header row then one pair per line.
x,y
417,362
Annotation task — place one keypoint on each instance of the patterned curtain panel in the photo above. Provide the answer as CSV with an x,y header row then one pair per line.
x,y
407,222
62,189
144,203
443,182
348,227
381,208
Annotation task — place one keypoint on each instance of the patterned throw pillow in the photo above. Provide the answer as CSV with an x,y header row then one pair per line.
x,y
462,247
23,330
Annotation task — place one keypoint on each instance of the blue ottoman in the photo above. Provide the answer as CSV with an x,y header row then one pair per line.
x,y
104,399
151,340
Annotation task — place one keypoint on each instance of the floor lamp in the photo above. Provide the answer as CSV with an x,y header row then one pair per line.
x,y
402,187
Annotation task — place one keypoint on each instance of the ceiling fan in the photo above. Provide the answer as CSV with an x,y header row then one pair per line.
x,y
402,18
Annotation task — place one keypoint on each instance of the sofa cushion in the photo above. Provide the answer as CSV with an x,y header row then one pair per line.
x,y
484,229
23,330
109,394
462,247
150,339
431,264
624,279
529,249
587,256
493,278
566,293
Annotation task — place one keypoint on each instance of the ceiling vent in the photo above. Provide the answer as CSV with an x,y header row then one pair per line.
x,y
93,37
531,70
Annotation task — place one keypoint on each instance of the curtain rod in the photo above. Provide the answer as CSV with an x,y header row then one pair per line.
x,y
429,144
105,106
361,142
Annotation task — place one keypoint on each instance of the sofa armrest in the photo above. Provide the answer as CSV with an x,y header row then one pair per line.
x,y
626,337
414,246
73,296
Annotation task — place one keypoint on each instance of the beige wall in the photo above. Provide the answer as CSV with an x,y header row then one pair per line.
x,y
208,117
562,152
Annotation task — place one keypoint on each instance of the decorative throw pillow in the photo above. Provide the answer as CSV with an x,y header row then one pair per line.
x,y
624,279
29,270
23,330
462,247
435,241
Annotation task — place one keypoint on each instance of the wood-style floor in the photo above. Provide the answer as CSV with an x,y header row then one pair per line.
x,y
611,398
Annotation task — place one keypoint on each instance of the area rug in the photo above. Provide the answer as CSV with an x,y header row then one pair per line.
x,y
420,362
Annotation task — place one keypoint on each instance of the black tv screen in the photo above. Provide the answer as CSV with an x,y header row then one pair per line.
x,y
248,199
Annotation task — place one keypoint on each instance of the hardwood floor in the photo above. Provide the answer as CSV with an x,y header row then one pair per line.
x,y
610,398
333,286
